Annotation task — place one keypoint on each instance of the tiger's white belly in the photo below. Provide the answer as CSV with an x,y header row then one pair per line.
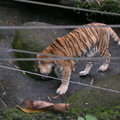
x,y
93,52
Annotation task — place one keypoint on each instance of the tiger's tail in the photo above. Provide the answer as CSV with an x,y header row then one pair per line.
x,y
114,36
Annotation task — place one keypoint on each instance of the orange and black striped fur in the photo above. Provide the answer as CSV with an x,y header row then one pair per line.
x,y
87,42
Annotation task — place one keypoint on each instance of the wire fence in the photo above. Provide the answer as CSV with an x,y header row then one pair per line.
x,y
77,83
51,57
64,58
56,57
56,27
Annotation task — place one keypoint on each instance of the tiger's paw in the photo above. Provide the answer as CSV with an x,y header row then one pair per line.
x,y
83,73
103,68
62,89
119,43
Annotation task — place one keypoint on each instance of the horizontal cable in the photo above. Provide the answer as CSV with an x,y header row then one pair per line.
x,y
67,7
60,58
52,57
18,50
57,26
77,83
27,52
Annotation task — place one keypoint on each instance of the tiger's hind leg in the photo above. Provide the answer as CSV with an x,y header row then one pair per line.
x,y
105,65
87,69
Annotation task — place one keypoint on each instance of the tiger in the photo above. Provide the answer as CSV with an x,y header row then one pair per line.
x,y
80,42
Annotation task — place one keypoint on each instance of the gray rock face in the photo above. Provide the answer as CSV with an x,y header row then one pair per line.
x,y
34,40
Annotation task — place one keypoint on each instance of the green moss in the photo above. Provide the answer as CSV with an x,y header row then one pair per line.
x,y
116,76
0,37
18,44
102,113
16,114
102,104
35,41
108,113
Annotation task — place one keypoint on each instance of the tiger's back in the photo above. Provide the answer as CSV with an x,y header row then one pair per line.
x,y
85,41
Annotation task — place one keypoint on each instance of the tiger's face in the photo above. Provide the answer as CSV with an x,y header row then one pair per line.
x,y
44,66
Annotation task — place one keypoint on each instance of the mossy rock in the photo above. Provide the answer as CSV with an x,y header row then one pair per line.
x,y
0,37
34,40
101,103
13,114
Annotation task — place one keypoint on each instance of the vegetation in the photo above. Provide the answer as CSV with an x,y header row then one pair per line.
x,y
16,114
103,113
103,5
107,113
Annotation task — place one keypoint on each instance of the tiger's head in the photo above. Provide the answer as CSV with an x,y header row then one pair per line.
x,y
43,66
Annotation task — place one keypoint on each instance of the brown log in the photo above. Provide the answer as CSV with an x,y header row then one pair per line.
x,y
36,105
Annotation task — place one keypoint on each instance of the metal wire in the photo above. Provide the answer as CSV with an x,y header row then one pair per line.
x,y
52,57
77,83
67,7
27,52
61,58
56,27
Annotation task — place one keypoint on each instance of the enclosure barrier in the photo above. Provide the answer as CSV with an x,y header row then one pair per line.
x,y
77,83
56,57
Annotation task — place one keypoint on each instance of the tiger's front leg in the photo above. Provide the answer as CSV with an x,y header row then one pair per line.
x,y
66,73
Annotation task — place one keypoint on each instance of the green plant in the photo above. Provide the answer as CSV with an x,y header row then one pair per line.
x,y
87,117
104,5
